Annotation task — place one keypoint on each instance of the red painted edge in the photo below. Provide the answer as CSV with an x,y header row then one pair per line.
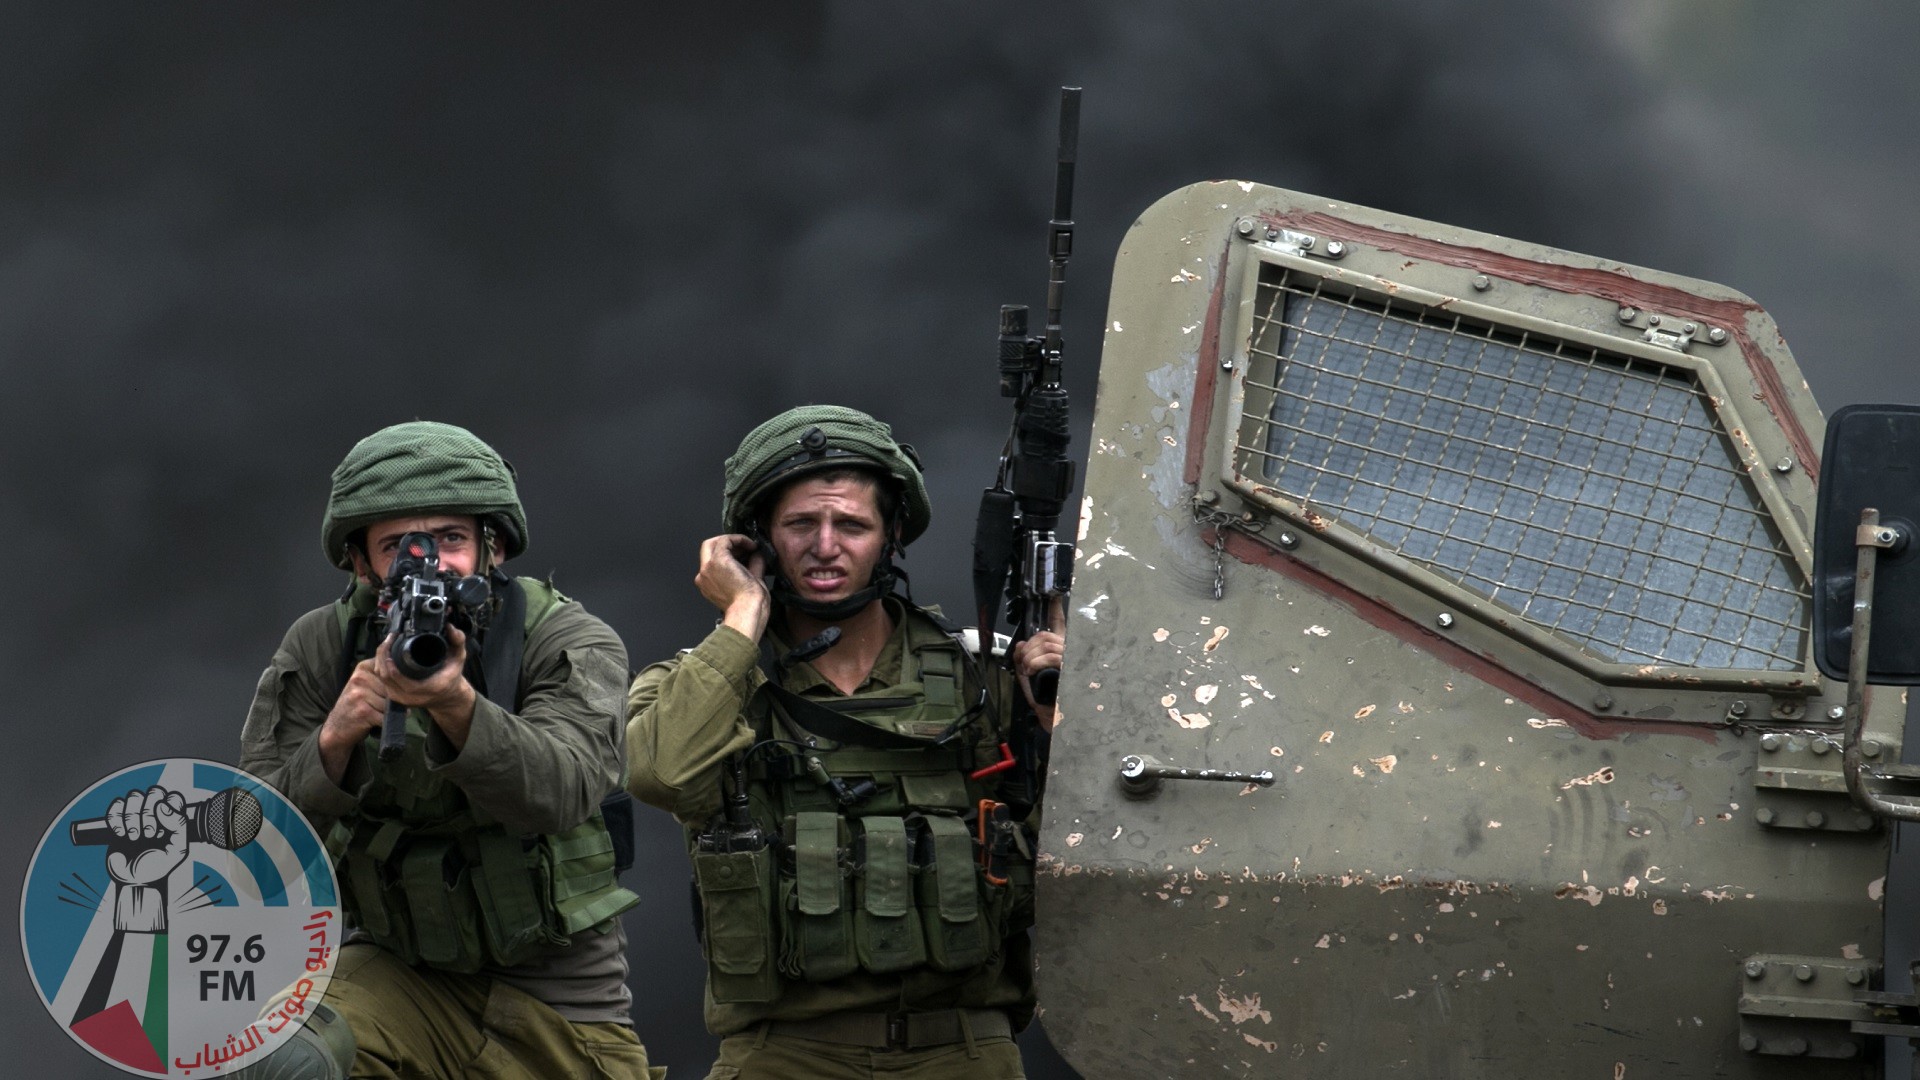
x,y
1208,377
1616,286
1470,663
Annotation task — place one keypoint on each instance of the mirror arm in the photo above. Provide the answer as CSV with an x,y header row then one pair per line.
x,y
1869,539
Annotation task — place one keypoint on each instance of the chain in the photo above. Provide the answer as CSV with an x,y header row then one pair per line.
x,y
1204,516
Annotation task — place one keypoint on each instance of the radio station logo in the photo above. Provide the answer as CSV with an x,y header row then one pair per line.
x,y
180,918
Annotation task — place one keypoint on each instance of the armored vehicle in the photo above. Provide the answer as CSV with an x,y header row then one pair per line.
x,y
1440,696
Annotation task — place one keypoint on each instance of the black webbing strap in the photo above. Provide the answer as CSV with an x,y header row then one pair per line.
x,y
817,719
505,644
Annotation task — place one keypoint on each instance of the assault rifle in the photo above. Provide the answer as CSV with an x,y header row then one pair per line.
x,y
416,603
1015,551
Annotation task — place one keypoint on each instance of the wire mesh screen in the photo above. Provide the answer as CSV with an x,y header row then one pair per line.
x,y
1593,494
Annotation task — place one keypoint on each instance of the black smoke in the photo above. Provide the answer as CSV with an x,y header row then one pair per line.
x,y
234,239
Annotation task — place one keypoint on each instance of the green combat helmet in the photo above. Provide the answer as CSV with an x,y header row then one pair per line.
x,y
818,438
421,467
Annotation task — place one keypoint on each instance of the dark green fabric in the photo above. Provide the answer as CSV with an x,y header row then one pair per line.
x,y
774,453
418,468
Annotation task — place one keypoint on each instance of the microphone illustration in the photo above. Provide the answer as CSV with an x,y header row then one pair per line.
x,y
228,819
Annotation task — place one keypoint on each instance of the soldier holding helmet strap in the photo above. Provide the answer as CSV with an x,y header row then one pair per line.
x,y
476,863
857,784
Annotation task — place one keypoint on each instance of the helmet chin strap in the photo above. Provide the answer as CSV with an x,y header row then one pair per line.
x,y
837,610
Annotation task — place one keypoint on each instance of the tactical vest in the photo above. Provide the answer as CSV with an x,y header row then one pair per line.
x,y
895,881
435,879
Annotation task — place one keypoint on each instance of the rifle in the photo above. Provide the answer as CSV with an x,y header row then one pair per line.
x,y
1015,551
417,601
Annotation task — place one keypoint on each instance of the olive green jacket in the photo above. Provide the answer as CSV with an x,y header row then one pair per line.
x,y
686,716
543,770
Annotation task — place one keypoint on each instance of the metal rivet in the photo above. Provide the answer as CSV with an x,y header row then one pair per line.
x,y
1629,313
1855,976
1273,233
1816,820
1783,466
1749,1043
1717,335
1796,1045
1445,620
1738,708
1245,227
1870,747
1653,320
1289,541
1755,969
1688,328
1819,746
1764,815
1307,242
1335,249
1838,712
1482,282
1770,741
1603,701
1803,972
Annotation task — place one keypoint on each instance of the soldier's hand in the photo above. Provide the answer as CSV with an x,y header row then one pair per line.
x,y
445,687
1046,649
731,568
361,708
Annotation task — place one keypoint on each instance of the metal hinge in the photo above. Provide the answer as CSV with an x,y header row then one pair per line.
x,y
1799,783
1806,1006
1293,243
1671,331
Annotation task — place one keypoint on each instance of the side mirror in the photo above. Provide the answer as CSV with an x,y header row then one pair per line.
x,y
1871,461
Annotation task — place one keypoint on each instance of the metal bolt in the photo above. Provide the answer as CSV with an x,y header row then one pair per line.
x,y
1738,708
1770,741
1886,536
1335,249
1764,815
1603,701
1688,328
1717,335
1653,320
1749,1043
1208,497
1797,1046
1783,466
1838,712
1803,972
1289,541
1819,746
1245,227
1445,620
1848,1049
1862,820
1629,313
1870,747
1246,517
1307,242
1855,976
1273,233
1482,282
1816,820
1755,969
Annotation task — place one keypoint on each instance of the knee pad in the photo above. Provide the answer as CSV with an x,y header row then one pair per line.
x,y
322,1049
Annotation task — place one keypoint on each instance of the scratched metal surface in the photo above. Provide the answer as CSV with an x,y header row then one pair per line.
x,y
1466,867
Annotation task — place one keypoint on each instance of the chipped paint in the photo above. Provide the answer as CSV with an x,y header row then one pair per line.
x,y
1326,737
1242,1009
1086,518
1598,776
1161,634
1590,893
1091,611
1074,839
1193,720
1363,712
1539,724
1659,907
1205,693
1385,764
1184,276
1850,952
1201,1009
1276,751
1201,847
1405,707
1219,635
1876,888
1169,701
1317,630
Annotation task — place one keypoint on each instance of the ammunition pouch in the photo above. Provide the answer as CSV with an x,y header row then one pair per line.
x,y
892,883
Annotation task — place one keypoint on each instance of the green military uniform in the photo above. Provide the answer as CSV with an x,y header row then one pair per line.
x,y
865,937
516,964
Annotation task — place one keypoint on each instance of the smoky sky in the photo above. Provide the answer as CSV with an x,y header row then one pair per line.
x,y
235,239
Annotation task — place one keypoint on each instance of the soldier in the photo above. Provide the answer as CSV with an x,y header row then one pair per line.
x,y
846,770
477,869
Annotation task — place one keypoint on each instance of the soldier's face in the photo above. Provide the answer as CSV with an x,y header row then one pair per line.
x,y
457,535
829,536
